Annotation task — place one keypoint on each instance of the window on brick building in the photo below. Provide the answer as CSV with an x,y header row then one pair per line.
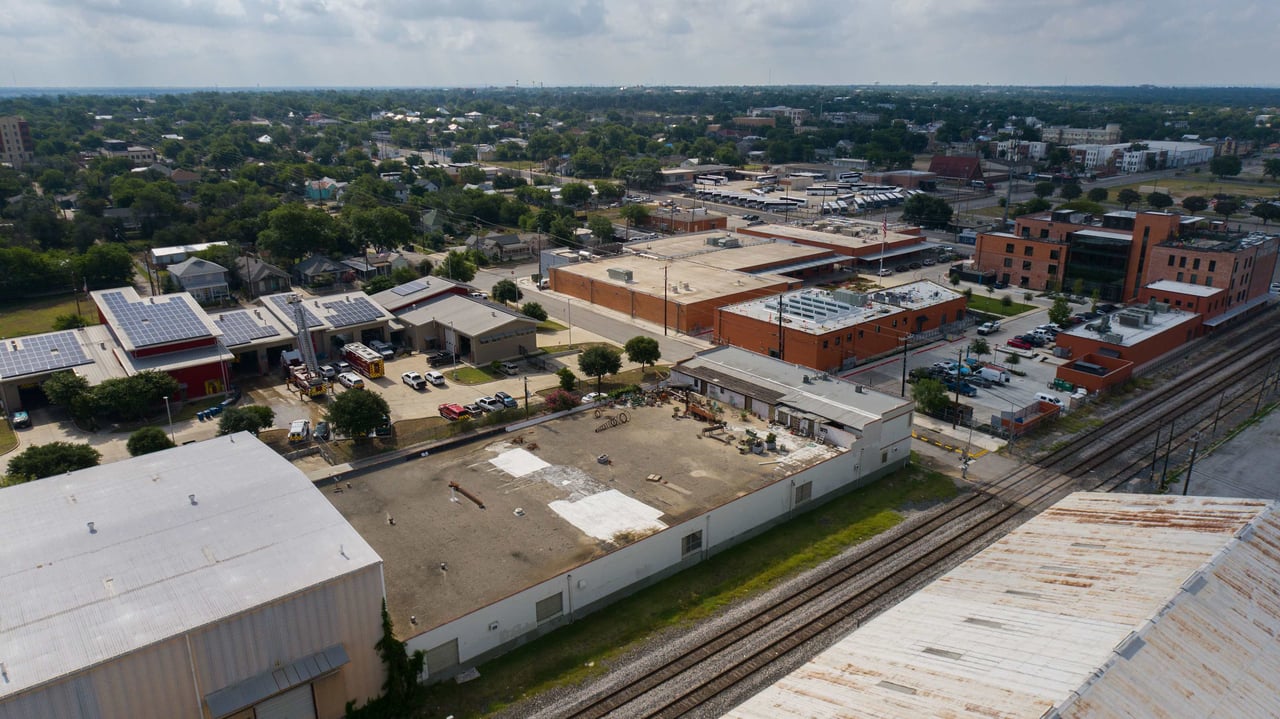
x,y
1028,251
1195,264
1053,254
1213,265
1182,261
1053,269
1171,260
1044,234
1008,262
1026,265
1008,247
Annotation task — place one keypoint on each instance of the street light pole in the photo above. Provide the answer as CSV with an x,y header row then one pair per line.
x,y
170,416
1195,444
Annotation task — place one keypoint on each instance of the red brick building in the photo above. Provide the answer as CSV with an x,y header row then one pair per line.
x,y
833,331
1105,353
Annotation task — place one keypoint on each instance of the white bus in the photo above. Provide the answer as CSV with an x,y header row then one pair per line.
x,y
766,179
849,177
822,191
711,180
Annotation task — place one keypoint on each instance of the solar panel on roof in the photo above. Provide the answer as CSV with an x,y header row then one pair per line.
x,y
286,311
154,323
352,311
40,353
241,327
409,288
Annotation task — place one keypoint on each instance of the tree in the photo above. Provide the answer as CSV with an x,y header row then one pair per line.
x,y
1195,203
383,228
456,266
505,291
1077,287
1266,211
599,361
463,153
133,397
295,231
46,460
148,440
927,210
250,418
568,381
378,283
1060,312
1094,298
1226,208
1097,194
560,400
1070,191
978,346
106,265
1225,166
1271,168
930,395
575,194
1159,200
534,310
1044,189
643,350
356,413
601,227
634,214
1127,197
63,388
609,191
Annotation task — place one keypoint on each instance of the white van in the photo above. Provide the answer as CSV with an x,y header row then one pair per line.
x,y
1051,399
993,374
299,430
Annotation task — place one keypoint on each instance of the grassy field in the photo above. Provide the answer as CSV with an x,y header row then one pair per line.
x,y
8,440
592,645
35,316
993,305
551,326
1204,185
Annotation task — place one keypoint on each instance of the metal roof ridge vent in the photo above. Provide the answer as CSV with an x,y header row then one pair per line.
x,y
92,530
192,498
885,683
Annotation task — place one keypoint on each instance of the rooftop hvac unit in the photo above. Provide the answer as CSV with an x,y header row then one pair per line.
x,y
617,273
1113,338
732,242
1129,320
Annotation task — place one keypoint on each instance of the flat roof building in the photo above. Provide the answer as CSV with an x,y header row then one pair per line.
x,y
1104,605
1107,351
205,581
869,243
833,330
489,544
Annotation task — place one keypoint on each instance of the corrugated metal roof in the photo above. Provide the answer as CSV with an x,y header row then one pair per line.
x,y
471,316
256,688
157,562
1049,612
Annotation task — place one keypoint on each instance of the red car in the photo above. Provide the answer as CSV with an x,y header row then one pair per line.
x,y
1019,344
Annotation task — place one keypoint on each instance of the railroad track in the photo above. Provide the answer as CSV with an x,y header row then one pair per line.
x,y
1100,459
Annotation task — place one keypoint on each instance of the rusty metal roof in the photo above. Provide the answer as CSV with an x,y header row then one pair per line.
x,y
1103,606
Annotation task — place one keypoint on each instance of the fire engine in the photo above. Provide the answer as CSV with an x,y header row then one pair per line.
x,y
364,360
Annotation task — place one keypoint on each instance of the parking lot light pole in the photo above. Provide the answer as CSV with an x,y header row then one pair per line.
x,y
1195,444
170,416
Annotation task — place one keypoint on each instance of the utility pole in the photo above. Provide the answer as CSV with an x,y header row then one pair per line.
x,y
1195,444
526,397
955,418
665,287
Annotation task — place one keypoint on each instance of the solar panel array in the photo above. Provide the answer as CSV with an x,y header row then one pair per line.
x,y
146,324
40,353
409,288
344,313
241,327
286,311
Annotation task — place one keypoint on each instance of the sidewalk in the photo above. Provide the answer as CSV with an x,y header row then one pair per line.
x,y
941,434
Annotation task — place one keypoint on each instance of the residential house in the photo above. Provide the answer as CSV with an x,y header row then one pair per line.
x,y
501,247
182,178
326,188
261,278
205,280
318,271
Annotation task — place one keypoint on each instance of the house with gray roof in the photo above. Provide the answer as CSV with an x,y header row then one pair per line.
x,y
261,278
205,280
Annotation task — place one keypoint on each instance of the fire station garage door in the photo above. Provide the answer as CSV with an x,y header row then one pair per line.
x,y
293,704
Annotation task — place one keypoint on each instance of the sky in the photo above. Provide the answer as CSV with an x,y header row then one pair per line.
x,y
453,43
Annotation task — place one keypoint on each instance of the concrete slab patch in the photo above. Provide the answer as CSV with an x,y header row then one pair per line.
x,y
606,514
518,462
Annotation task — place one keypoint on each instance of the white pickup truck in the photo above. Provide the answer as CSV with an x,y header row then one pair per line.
x,y
987,328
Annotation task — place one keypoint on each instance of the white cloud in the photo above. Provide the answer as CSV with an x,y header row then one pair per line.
x,y
657,42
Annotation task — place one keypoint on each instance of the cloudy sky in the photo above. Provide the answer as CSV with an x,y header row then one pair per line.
x,y
360,43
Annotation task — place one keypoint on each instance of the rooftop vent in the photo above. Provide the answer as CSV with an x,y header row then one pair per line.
x,y
91,529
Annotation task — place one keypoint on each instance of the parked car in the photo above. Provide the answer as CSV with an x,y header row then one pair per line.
x,y
21,420
509,368
885,272
962,387
987,328
386,349
1033,339
351,380
328,371
490,404
901,268
435,378
414,380
453,412
1019,343
480,295
342,366
1001,285
929,262
473,409
592,397
322,431
751,218
439,358
506,399
915,265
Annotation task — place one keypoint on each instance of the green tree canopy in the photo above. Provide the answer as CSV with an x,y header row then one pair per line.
x,y
927,210
978,346
295,231
601,227
63,388
643,350
1044,189
250,418
930,395
506,291
575,194
534,310
106,265
456,266
1060,312
1271,168
634,214
1159,200
1226,208
148,440
1266,211
356,413
1097,194
599,361
1127,197
46,460
1195,203
378,283
383,228
1070,191
1226,166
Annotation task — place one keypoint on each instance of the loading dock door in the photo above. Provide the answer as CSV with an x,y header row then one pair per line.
x,y
293,704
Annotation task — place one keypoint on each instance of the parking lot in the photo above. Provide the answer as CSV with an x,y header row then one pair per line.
x,y
1039,366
